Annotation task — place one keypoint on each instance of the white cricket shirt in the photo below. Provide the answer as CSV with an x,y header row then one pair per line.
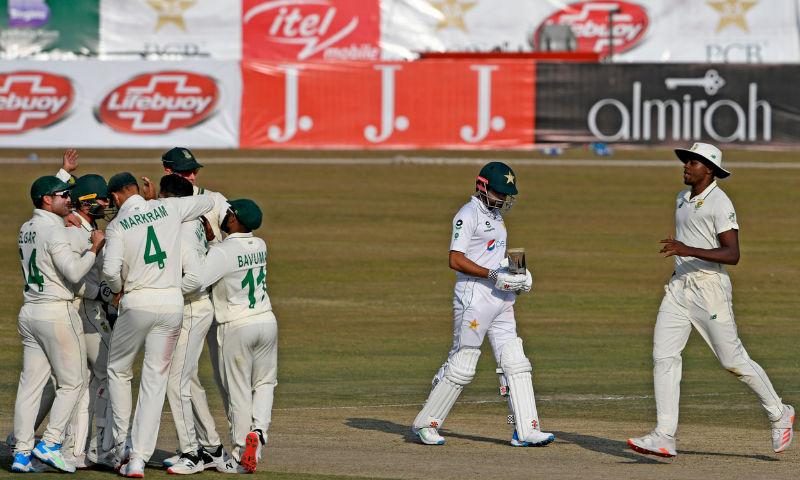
x,y
698,223
193,250
480,235
49,264
81,240
237,270
216,214
143,242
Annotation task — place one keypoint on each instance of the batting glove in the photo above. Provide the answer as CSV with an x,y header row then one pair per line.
x,y
510,282
105,294
528,281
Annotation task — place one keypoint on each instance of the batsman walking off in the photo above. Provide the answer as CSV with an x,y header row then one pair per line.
x,y
699,295
483,305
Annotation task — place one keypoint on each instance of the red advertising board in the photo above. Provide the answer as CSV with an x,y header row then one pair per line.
x,y
428,104
311,29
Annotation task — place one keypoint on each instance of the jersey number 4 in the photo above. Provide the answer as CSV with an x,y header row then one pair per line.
x,y
34,277
251,281
153,246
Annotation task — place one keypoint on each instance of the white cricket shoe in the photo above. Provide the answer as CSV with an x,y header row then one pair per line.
x,y
535,439
80,463
231,466
782,432
213,458
187,465
654,443
173,460
134,468
428,435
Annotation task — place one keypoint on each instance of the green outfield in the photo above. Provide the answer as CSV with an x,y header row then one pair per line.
x,y
359,280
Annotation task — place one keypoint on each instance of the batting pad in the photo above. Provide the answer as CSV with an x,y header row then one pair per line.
x,y
459,372
517,369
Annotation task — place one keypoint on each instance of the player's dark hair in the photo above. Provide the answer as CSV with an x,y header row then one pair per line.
x,y
38,203
176,186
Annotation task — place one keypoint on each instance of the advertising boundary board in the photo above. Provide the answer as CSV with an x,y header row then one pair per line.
x,y
119,104
668,104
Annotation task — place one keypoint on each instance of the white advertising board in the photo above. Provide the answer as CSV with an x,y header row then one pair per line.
x,y
120,104
715,31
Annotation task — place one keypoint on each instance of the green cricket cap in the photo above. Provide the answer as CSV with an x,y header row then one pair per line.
x,y
120,180
247,212
180,159
499,177
48,185
89,187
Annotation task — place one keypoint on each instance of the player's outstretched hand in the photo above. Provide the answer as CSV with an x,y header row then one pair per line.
x,y
207,228
510,282
98,241
72,220
149,189
70,160
674,247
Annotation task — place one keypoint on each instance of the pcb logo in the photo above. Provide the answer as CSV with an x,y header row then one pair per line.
x,y
159,103
30,100
589,23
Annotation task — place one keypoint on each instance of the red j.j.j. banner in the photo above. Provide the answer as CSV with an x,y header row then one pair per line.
x,y
426,104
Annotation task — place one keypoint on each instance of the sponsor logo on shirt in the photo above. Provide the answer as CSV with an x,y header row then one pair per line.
x,y
459,225
491,245
489,227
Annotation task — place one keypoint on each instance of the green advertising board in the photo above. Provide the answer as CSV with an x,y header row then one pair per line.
x,y
49,29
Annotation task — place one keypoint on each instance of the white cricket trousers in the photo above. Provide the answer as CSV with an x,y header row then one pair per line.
x,y
479,311
705,301
189,405
96,334
248,355
149,319
52,341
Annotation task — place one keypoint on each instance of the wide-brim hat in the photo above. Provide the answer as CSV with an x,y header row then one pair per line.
x,y
708,154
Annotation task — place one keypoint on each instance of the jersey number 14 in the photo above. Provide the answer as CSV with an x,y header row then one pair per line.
x,y
34,276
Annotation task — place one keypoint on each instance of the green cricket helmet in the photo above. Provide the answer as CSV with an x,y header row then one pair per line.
x,y
87,191
499,177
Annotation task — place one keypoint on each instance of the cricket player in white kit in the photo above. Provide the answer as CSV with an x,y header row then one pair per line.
x,y
483,305
180,161
143,256
92,297
51,330
198,313
248,332
699,295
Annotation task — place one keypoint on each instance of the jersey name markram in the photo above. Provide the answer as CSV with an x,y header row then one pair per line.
x,y
149,217
257,258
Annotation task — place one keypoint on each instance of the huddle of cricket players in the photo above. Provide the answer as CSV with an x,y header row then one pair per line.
x,y
164,279
172,281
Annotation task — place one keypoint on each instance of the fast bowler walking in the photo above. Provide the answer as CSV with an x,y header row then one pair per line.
x,y
483,305
699,295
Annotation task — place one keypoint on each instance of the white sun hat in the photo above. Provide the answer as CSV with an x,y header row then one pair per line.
x,y
706,153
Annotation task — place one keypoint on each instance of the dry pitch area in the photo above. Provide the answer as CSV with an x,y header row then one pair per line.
x,y
359,280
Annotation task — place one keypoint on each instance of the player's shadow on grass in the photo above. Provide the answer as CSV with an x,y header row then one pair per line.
x,y
620,449
405,430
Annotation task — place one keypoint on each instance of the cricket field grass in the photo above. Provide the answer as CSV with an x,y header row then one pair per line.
x,y
359,281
